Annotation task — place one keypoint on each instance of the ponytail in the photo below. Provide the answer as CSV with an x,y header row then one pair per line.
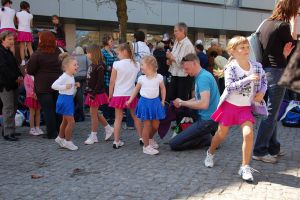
x,y
129,48
4,2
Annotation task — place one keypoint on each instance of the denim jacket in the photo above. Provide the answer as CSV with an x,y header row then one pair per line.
x,y
232,83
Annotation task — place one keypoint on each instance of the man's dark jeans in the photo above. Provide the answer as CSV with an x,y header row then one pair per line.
x,y
199,134
53,120
266,140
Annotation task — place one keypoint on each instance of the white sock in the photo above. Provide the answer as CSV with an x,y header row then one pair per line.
x,y
94,134
23,62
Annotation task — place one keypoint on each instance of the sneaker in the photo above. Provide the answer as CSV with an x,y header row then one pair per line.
x,y
209,160
246,173
108,132
39,131
60,141
281,153
141,141
69,145
153,144
117,145
91,139
150,150
33,132
267,158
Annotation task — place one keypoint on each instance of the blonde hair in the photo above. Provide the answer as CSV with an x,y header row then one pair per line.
x,y
150,61
65,59
96,54
128,47
233,43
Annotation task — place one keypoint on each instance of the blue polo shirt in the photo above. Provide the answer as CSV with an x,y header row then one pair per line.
x,y
204,81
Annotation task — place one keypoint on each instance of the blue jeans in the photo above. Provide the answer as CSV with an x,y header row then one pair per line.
x,y
195,136
266,140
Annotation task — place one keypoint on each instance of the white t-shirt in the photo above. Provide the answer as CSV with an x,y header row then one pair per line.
x,y
245,95
24,19
150,87
126,76
61,83
141,49
7,18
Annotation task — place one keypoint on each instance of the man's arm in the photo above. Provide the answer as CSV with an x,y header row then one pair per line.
x,y
201,104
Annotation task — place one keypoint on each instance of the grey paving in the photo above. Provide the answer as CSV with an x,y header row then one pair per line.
x,y
100,172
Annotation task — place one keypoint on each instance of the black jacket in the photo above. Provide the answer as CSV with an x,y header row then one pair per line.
x,y
9,71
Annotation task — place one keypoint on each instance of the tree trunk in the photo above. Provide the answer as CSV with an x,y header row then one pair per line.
x,y
122,18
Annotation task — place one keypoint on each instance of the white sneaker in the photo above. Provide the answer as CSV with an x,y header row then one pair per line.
x,y
150,150
267,158
69,145
246,173
108,132
209,160
60,141
33,132
153,144
39,131
91,139
117,145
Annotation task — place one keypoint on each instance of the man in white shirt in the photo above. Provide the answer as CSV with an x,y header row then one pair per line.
x,y
181,84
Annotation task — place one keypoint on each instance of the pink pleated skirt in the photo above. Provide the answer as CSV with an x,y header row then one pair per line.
x,y
32,103
120,102
24,37
100,99
61,43
229,115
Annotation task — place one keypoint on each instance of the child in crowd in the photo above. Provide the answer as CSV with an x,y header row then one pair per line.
x,y
59,32
7,17
245,82
24,19
150,108
96,95
66,86
34,107
121,86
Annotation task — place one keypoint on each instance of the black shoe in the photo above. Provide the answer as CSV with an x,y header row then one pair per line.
x,y
17,134
10,138
141,142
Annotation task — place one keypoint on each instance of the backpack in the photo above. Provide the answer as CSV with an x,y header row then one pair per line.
x,y
137,55
256,50
291,117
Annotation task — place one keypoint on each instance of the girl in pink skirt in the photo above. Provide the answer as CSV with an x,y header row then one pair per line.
x,y
59,32
24,19
7,17
34,107
121,86
96,95
245,83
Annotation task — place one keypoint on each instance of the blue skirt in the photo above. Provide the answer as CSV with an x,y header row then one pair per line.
x,y
65,105
150,109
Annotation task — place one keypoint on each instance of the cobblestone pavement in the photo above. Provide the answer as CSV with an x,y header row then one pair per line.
x,y
100,172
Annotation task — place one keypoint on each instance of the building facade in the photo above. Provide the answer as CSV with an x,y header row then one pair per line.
x,y
87,20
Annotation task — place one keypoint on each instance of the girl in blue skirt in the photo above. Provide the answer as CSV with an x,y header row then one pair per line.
x,y
150,107
66,86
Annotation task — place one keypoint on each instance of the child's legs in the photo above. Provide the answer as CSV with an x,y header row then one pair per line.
x,y
37,117
247,129
62,128
29,47
31,117
218,138
146,132
137,123
22,50
94,118
69,128
155,125
117,124
102,120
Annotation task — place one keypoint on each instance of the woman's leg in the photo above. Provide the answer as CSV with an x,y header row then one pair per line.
x,y
37,117
94,118
247,129
102,120
218,138
62,129
146,132
22,51
69,128
137,123
117,124
29,47
31,117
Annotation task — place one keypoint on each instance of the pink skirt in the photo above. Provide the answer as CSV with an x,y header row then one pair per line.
x,y
24,37
119,102
100,99
11,30
229,115
32,103
61,43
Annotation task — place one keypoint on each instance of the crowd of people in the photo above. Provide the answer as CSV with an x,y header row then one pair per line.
x,y
221,88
